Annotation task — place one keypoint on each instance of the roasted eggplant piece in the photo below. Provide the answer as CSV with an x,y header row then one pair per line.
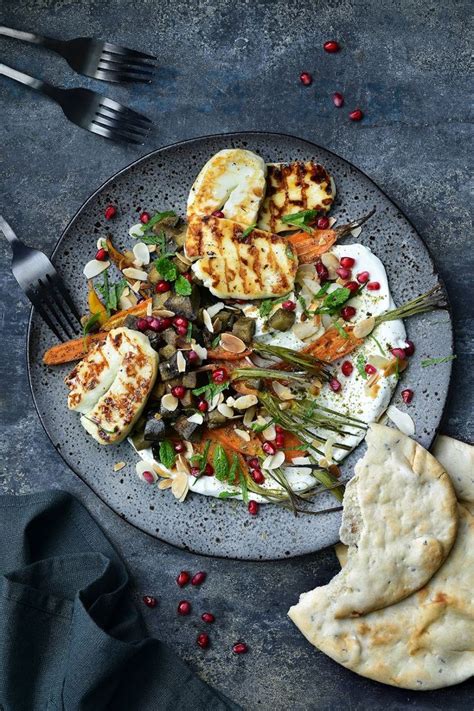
x,y
170,336
155,339
131,322
215,419
167,351
244,328
281,320
155,428
169,368
186,306
174,229
187,400
189,380
184,428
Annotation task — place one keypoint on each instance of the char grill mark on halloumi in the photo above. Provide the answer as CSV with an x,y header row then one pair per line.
x,y
232,181
261,265
292,188
111,385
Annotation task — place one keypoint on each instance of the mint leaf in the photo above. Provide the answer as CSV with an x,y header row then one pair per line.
x,y
340,330
267,305
300,219
158,216
360,365
210,390
167,454
221,463
334,301
159,240
90,323
182,286
166,268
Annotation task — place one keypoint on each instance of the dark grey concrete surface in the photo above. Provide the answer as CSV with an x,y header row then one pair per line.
x,y
224,66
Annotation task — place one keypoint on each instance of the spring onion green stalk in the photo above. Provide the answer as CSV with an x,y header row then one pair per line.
x,y
429,301
244,373
295,358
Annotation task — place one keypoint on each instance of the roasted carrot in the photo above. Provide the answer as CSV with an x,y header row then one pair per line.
x,y
293,446
309,247
230,440
332,345
72,350
117,319
220,353
95,304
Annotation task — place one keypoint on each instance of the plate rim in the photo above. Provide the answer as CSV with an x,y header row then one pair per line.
x,y
117,174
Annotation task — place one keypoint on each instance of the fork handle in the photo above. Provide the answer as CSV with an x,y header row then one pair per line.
x,y
33,83
48,42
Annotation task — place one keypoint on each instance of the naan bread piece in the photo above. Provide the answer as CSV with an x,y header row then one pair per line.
x,y
232,181
293,188
425,641
399,521
111,385
458,460
260,266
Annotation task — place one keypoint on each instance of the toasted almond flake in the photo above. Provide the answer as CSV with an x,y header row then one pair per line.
x,y
311,285
101,243
141,253
216,400
119,465
300,461
165,313
305,271
242,434
230,401
402,420
378,361
305,330
200,350
225,410
182,464
270,433
215,308
149,309
356,231
94,268
330,260
180,362
136,286
197,418
285,405
133,273
332,221
273,461
232,343
169,402
329,448
249,415
151,248
364,327
282,391
165,484
125,303
245,401
136,230
207,321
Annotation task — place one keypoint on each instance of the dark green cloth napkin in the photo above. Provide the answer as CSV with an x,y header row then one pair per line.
x,y
70,638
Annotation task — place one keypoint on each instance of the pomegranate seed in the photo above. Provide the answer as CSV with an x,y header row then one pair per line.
x,y
145,217
148,476
280,440
344,273
162,287
149,600
102,255
240,647
331,46
322,223
353,286
181,330
155,324
268,448
348,312
398,353
370,369
253,508
184,607
166,323
288,305
192,357
110,212
142,324
409,348
178,391
198,578
208,617
306,78
373,286
203,640
347,262
363,277
347,368
180,321
209,470
195,471
203,406
279,429
407,396
356,115
217,213
183,578
338,99
220,375
257,476
189,277
322,272
335,385
179,447
254,463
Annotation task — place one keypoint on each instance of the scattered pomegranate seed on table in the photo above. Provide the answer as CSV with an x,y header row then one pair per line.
x,y
407,395
373,286
288,305
363,277
335,385
220,375
148,477
398,353
145,217
208,617
331,46
240,647
306,78
203,406
150,601
348,312
370,369
409,348
198,578
338,99
253,508
356,115
322,223
268,448
162,287
184,607
179,391
183,578
203,640
347,368
101,255
217,213
110,212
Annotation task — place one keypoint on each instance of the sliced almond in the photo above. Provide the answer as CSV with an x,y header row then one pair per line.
x,y
197,418
142,255
200,350
249,415
364,327
151,248
133,273
312,285
125,303
183,258
149,309
356,231
274,461
305,330
245,401
331,262
101,243
216,400
165,313
136,231
242,434
378,361
180,362
169,402
119,465
136,286
215,308
207,321
332,221
232,343
402,420
270,433
94,268
282,391
225,410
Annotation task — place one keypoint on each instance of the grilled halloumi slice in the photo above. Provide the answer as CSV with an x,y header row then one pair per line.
x,y
111,385
232,181
259,266
292,188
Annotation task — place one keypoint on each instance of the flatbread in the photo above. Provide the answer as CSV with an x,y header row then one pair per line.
x,y
423,642
399,520
458,460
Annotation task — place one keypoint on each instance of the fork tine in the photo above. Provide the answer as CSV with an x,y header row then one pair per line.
x,y
123,51
132,73
126,120
120,125
116,62
57,284
44,294
45,317
111,104
112,134
122,77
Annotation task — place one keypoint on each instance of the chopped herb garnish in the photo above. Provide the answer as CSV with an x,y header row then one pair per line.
x,y
360,365
220,463
334,301
166,268
377,344
243,484
260,428
157,217
111,293
215,341
300,219
90,323
267,305
289,252
182,286
248,230
200,460
210,390
159,240
434,361
340,330
189,332
228,494
322,290
167,454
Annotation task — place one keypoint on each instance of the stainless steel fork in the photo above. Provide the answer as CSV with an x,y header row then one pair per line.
x,y
43,286
94,58
90,110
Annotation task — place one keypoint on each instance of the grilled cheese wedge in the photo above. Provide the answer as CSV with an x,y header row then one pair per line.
x,y
258,266
111,385
293,188
232,181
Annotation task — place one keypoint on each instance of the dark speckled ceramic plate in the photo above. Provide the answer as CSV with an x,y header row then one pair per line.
x,y
162,180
